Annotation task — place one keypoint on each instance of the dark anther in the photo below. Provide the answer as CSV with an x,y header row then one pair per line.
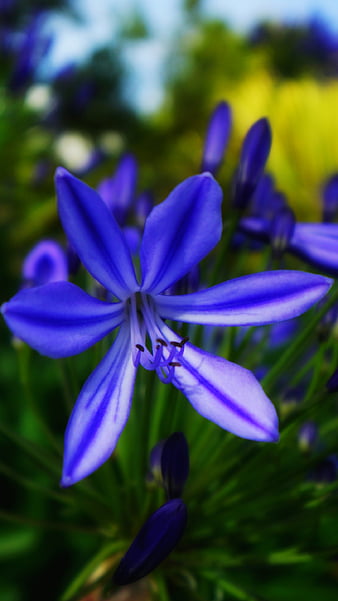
x,y
140,347
180,344
174,364
161,341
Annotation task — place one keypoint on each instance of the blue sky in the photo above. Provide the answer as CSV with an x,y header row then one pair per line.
x,y
103,17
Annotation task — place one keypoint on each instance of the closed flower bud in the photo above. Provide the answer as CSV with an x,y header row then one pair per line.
x,y
255,152
153,543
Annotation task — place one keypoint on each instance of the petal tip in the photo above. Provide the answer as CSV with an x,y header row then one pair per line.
x,y
65,482
61,173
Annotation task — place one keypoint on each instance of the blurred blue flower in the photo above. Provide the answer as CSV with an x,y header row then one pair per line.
x,y
27,53
60,319
217,137
45,263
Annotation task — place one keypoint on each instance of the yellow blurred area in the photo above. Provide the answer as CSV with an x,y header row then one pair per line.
x,y
304,120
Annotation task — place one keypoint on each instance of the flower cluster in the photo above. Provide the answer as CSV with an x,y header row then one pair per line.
x,y
59,319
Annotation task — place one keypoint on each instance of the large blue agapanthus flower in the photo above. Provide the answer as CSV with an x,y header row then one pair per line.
x,y
59,319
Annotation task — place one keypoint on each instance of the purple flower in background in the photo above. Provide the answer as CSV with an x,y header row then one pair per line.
x,y
118,191
60,319
45,263
217,137
307,436
33,45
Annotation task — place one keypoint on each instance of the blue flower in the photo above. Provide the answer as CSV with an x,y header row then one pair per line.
x,y
60,319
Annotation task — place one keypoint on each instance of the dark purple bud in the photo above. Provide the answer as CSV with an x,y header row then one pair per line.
x,y
175,464
307,436
330,199
332,383
45,263
217,137
255,152
282,227
156,539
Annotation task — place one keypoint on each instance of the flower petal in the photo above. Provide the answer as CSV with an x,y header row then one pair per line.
x,y
95,235
316,248
327,230
224,392
255,299
156,539
180,231
100,413
60,319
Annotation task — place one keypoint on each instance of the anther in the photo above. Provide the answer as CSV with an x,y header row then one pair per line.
x,y
181,343
140,347
174,364
161,341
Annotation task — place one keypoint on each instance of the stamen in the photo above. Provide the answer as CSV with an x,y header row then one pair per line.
x,y
166,379
181,343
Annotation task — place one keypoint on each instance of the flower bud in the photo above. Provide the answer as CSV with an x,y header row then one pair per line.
x,y
255,152
153,543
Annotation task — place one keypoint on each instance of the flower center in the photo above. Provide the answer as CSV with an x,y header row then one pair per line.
x,y
150,348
